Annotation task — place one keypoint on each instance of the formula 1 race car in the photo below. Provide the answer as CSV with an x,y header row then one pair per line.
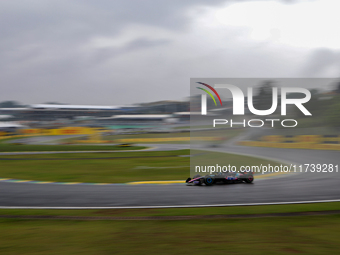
x,y
221,177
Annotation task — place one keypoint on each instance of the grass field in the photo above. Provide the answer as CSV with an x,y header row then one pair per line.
x,y
13,147
118,167
279,235
225,134
23,147
206,211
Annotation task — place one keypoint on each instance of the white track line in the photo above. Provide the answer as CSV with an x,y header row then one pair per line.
x,y
163,206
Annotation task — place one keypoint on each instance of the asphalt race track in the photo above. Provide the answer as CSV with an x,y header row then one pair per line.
x,y
280,189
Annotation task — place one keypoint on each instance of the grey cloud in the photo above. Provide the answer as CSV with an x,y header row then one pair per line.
x,y
104,54
43,54
321,62
40,45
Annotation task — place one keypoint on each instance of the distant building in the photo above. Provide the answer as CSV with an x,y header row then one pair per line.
x,y
50,115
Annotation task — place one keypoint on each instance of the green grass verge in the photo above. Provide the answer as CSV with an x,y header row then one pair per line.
x,y
138,153
232,210
117,167
123,167
283,235
23,147
225,134
12,147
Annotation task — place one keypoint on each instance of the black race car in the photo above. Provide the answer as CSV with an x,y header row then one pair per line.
x,y
222,177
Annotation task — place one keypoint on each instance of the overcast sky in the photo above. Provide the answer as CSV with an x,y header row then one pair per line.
x,y
105,52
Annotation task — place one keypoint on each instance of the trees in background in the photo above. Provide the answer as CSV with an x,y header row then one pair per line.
x,y
325,111
10,104
264,98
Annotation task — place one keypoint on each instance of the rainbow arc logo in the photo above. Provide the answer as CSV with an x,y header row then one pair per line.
x,y
209,93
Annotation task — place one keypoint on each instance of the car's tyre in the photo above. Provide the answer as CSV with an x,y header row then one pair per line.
x,y
209,180
249,179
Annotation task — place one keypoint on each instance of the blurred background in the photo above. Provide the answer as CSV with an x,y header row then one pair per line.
x,y
115,53
98,64
81,77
